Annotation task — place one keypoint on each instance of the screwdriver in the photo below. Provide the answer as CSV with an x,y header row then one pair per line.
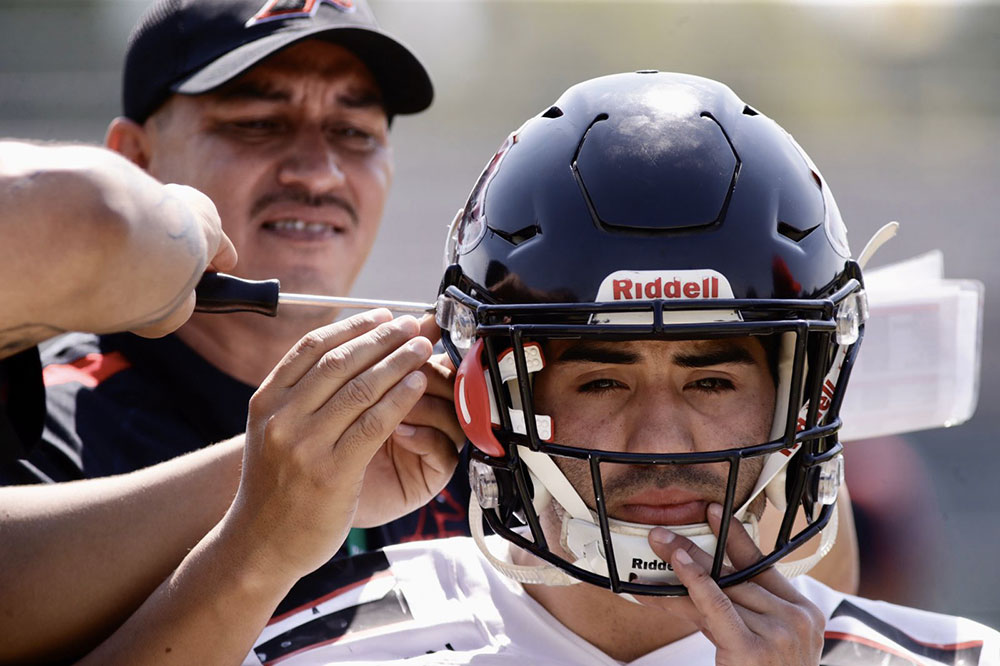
x,y
222,293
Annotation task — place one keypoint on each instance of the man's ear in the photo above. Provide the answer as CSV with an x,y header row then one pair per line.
x,y
130,139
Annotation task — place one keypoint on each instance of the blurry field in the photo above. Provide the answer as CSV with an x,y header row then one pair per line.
x,y
898,104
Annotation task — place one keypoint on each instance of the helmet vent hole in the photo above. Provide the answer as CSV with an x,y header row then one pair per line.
x,y
519,236
553,112
791,233
750,111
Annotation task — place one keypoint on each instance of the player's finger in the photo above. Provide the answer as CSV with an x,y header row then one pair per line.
x,y
664,542
439,414
367,433
743,552
718,614
313,346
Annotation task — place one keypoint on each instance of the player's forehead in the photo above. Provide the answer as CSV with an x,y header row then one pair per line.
x,y
734,351
310,65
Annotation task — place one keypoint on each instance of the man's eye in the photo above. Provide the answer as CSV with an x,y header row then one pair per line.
x,y
600,386
256,126
711,385
355,138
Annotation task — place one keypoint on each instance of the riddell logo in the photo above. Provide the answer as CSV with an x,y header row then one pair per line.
x,y
626,289
650,565
651,285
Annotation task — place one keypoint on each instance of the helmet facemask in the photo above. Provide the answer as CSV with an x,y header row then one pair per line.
x,y
520,486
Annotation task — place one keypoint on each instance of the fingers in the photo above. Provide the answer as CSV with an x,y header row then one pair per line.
x,y
429,328
743,552
437,414
717,613
308,350
225,255
440,377
373,426
437,452
360,370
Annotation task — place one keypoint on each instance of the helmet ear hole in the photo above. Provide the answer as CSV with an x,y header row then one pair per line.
x,y
474,402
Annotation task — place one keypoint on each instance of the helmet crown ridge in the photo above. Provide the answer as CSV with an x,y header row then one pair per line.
x,y
637,156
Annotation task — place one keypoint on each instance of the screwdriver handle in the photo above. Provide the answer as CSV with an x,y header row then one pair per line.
x,y
222,293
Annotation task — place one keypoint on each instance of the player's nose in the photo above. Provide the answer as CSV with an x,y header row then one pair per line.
x,y
658,421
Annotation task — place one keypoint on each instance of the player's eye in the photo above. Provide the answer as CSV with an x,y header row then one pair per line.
x,y
710,385
602,385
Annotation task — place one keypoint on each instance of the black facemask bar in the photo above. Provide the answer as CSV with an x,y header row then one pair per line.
x,y
812,322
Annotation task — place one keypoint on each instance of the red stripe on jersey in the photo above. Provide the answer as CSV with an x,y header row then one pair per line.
x,y
89,370
852,638
327,597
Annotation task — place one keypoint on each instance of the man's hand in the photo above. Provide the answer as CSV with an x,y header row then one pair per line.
x,y
762,621
190,213
314,426
420,456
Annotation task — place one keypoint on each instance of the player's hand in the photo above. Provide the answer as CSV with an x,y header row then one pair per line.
x,y
314,426
420,456
192,214
762,621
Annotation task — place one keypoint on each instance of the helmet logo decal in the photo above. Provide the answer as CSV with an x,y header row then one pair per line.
x,y
274,10
649,285
472,226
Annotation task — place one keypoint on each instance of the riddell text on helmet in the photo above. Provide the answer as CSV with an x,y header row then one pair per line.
x,y
649,285
626,289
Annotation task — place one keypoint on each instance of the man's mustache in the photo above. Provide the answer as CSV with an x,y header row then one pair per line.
x,y
305,199
695,478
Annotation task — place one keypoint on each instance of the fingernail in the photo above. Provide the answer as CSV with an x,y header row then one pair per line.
x,y
415,380
661,535
683,557
406,430
715,510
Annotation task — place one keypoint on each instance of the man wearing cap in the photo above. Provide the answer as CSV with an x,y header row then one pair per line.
x,y
280,112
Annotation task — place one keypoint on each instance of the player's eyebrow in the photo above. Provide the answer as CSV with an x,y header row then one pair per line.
x,y
598,353
719,355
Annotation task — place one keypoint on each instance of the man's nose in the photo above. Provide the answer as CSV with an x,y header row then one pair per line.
x,y
311,163
660,422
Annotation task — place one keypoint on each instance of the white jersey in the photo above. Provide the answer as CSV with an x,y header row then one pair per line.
x,y
441,602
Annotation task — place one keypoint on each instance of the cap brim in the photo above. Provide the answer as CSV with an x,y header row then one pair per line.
x,y
404,83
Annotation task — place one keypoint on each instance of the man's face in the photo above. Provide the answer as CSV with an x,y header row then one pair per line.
x,y
295,155
658,397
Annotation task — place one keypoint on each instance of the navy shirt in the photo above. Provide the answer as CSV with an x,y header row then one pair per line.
x,y
117,403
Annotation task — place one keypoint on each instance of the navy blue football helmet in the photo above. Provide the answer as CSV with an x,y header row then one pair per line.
x,y
648,205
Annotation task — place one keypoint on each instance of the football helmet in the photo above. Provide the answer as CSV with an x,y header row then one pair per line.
x,y
639,206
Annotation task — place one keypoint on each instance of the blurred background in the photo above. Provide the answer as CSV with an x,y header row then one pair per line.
x,y
898,103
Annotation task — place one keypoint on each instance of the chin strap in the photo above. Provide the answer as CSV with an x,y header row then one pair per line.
x,y
803,566
541,574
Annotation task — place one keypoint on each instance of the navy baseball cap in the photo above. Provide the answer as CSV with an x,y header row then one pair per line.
x,y
194,46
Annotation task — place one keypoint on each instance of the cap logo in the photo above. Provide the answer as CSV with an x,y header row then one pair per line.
x,y
274,10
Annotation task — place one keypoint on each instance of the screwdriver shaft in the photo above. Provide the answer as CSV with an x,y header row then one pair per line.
x,y
346,302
